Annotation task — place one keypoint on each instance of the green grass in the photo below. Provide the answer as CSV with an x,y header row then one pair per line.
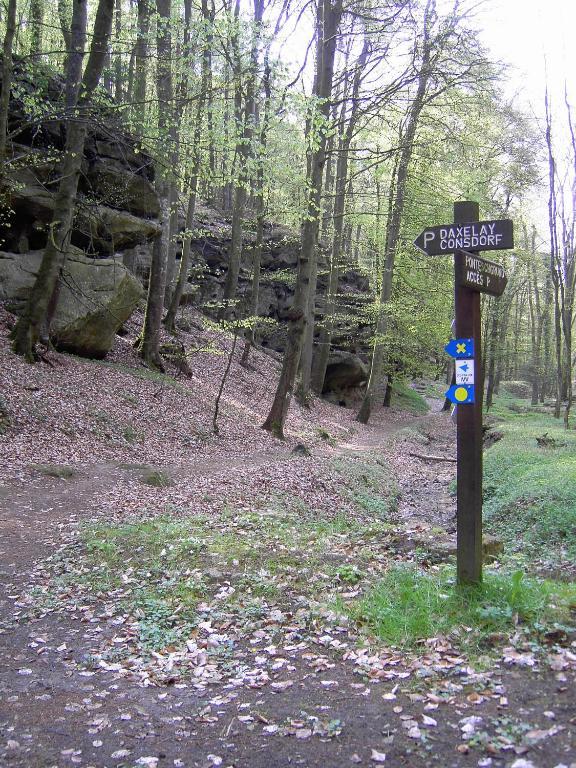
x,y
160,568
323,434
160,558
157,478
530,491
407,399
61,471
370,486
408,606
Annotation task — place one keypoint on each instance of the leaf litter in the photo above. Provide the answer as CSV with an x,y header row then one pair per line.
x,y
277,544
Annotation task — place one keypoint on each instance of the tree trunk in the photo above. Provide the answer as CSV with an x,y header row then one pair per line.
x,y
260,212
492,350
36,27
306,355
244,152
554,254
388,394
537,325
149,342
329,15
118,68
6,79
173,207
138,108
170,319
28,328
347,132
397,199
64,19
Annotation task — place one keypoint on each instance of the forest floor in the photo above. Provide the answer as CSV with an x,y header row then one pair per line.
x,y
171,597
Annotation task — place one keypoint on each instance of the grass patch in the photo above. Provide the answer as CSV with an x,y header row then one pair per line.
x,y
529,490
323,434
62,471
407,399
157,478
408,606
370,486
156,563
131,435
154,545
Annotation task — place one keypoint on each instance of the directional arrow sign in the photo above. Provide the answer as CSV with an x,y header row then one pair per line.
x,y
476,236
460,348
460,394
481,275
464,371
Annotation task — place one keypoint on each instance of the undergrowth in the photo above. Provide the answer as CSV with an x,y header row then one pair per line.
x,y
61,471
407,399
369,485
163,565
529,490
408,606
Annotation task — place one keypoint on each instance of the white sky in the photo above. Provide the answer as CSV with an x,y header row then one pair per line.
x,y
536,38
533,36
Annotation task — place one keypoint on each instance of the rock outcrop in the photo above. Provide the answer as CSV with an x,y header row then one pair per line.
x,y
96,297
116,221
117,207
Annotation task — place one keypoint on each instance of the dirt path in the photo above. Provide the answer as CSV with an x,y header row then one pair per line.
x,y
295,698
32,517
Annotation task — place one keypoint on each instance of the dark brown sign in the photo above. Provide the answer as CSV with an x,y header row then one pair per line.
x,y
495,235
480,274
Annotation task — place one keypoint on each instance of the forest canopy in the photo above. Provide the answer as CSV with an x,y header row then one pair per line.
x,y
354,125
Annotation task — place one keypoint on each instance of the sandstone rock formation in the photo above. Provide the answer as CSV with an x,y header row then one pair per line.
x,y
96,297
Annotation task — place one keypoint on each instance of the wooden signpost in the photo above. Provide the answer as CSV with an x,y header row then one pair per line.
x,y
472,276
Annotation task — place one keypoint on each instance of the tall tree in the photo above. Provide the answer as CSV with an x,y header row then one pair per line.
x,y
138,105
79,93
260,212
347,130
396,206
36,26
196,150
6,78
149,342
329,15
245,116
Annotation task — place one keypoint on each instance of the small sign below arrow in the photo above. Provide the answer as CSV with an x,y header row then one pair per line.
x,y
464,371
461,394
480,274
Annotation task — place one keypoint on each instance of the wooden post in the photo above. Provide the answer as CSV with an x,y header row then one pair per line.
x,y
469,422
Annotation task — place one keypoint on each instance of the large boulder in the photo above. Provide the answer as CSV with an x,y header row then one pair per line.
x,y
96,297
116,204
120,212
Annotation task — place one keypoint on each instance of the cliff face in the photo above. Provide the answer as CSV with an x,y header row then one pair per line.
x,y
117,219
117,206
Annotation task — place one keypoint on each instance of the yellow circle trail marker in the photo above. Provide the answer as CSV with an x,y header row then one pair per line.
x,y
461,394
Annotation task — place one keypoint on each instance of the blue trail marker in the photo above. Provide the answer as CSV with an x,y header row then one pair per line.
x,y
461,394
460,348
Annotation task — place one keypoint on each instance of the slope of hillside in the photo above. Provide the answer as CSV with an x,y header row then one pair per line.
x,y
71,411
